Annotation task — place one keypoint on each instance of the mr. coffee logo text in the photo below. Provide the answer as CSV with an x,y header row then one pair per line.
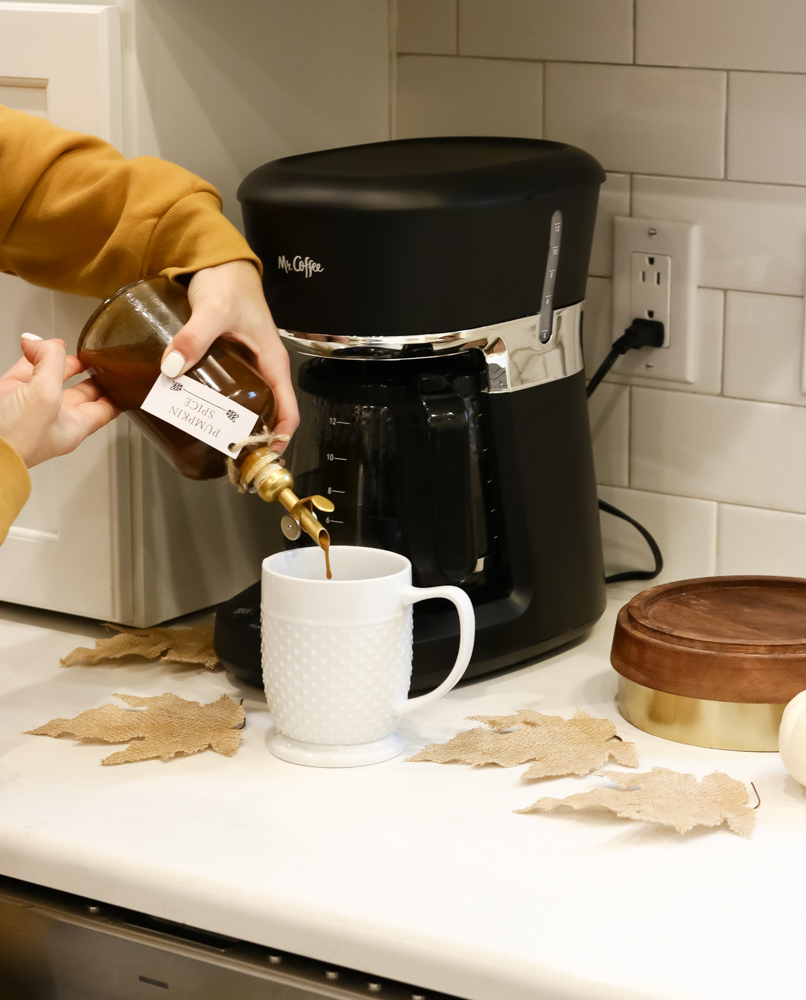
x,y
303,264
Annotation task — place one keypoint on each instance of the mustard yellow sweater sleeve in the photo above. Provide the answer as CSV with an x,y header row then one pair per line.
x,y
15,486
78,217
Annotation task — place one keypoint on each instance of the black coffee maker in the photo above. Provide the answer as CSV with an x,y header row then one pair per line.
x,y
430,293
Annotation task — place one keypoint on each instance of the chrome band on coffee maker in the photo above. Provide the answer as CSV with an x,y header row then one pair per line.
x,y
515,356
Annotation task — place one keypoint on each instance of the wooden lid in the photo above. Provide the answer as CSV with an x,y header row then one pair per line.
x,y
723,638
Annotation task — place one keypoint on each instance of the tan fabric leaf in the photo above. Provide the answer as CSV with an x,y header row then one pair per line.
x,y
666,797
557,746
168,726
173,645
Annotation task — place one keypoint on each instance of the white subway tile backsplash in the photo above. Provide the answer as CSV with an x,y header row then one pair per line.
x,y
640,118
426,26
718,449
614,199
443,95
586,30
727,146
767,128
761,541
753,235
598,336
725,34
685,530
609,410
764,348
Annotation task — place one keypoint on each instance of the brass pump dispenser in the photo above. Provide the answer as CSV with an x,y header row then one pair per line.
x,y
262,473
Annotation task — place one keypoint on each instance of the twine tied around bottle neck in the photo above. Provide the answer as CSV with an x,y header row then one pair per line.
x,y
264,437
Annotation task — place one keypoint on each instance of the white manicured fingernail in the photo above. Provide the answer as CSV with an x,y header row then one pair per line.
x,y
29,336
173,365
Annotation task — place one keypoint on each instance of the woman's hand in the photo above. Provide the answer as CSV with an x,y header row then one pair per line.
x,y
227,301
38,417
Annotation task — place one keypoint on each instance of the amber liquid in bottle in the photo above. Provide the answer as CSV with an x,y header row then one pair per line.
x,y
122,345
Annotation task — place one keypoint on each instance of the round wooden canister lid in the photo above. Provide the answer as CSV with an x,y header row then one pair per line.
x,y
718,648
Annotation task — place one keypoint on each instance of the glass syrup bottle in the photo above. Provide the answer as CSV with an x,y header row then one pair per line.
x,y
122,345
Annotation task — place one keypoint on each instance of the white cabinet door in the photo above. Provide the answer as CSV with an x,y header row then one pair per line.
x,y
67,550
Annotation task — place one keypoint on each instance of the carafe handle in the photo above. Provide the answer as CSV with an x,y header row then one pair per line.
x,y
434,481
467,635
449,458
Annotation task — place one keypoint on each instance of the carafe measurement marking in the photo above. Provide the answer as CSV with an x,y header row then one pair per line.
x,y
334,458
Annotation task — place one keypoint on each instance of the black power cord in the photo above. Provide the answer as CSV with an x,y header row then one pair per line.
x,y
640,333
634,574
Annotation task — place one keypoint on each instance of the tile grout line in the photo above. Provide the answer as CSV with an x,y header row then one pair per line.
x,y
688,394
718,534
726,126
716,503
393,58
600,62
629,437
605,62
665,385
724,333
634,33
710,180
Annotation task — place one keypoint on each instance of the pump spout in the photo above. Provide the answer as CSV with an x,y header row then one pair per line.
x,y
272,482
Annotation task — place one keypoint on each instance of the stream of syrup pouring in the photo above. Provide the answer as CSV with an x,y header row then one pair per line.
x,y
324,542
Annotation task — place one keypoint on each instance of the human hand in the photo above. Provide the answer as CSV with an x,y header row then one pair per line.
x,y
38,417
227,301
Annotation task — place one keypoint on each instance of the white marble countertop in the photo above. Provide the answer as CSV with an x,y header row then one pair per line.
x,y
417,872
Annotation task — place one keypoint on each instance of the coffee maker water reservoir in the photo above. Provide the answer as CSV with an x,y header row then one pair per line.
x,y
430,293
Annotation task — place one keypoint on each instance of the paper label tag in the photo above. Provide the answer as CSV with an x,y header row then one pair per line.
x,y
200,411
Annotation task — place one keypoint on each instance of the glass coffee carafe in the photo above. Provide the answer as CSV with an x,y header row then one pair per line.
x,y
398,444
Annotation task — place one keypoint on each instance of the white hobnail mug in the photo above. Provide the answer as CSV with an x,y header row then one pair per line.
x,y
337,653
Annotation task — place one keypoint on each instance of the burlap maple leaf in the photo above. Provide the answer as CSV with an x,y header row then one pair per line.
x,y
173,645
666,797
168,726
557,746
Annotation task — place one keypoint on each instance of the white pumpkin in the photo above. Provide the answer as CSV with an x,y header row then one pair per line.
x,y
792,737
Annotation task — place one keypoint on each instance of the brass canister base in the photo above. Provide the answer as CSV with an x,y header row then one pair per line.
x,y
720,725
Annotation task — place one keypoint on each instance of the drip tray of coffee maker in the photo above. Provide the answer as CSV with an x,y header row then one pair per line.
x,y
237,636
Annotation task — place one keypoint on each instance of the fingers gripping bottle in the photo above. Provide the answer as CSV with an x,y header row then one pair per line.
x,y
212,421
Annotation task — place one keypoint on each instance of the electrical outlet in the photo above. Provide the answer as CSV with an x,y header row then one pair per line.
x,y
650,285
655,276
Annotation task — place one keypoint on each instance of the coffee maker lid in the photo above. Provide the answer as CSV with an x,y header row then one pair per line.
x,y
421,174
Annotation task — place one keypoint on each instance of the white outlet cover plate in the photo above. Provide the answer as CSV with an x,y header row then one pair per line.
x,y
677,359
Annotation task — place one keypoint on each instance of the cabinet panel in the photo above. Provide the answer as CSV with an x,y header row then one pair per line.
x,y
63,551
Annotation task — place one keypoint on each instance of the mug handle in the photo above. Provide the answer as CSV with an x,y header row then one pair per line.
x,y
467,635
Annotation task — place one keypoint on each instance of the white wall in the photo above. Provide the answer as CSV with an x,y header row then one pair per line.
x,y
225,87
222,87
697,110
